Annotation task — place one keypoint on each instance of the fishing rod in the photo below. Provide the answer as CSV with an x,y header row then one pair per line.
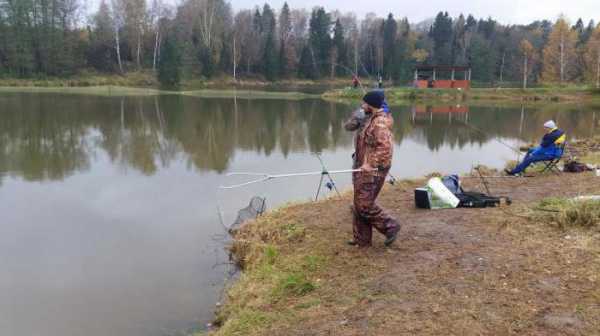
x,y
362,87
263,177
495,137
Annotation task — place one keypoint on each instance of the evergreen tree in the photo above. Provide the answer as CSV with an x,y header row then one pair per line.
x,y
482,59
441,33
306,66
579,28
587,33
269,69
208,62
339,44
487,28
405,48
100,54
169,64
270,57
285,29
471,23
319,39
390,30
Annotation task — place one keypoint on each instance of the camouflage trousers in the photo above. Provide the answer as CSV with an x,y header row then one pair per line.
x,y
367,214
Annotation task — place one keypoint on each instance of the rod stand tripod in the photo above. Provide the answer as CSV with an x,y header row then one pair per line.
x,y
325,174
330,185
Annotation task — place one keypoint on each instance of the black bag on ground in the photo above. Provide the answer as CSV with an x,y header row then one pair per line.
x,y
575,167
471,199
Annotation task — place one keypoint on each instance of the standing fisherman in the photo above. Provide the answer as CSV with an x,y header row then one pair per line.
x,y
355,82
373,155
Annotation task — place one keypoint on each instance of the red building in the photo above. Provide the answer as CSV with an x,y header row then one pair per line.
x,y
442,77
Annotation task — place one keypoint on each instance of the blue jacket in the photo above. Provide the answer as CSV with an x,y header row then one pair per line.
x,y
550,144
385,107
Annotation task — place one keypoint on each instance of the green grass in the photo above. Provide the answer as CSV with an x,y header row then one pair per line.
x,y
271,254
278,277
568,213
247,321
293,284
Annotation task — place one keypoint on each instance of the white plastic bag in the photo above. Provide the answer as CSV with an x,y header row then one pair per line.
x,y
441,197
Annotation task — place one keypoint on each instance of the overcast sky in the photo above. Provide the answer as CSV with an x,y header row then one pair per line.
x,y
505,11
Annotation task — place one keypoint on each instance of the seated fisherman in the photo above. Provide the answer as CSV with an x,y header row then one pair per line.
x,y
549,148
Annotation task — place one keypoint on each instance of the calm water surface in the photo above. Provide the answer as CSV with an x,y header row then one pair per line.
x,y
108,206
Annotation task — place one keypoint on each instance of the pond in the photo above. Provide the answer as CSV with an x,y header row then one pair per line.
x,y
112,222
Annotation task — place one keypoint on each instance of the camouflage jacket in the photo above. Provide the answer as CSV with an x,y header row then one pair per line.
x,y
374,139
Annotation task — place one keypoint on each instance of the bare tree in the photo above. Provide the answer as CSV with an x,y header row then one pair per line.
x,y
528,51
117,19
244,36
156,14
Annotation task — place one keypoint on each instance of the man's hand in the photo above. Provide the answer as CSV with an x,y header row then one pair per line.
x,y
367,168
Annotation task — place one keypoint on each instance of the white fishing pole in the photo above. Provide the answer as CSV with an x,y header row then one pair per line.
x,y
266,177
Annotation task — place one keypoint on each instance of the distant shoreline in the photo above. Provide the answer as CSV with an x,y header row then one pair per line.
x,y
336,90
121,91
397,95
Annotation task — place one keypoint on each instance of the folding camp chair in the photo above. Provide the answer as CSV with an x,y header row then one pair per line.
x,y
552,165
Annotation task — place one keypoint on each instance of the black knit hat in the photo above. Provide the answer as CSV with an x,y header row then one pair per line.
x,y
374,98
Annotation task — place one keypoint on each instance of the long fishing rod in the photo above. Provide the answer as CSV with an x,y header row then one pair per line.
x,y
362,87
263,177
516,150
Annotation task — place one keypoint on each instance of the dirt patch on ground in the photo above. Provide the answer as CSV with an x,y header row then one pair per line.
x,y
451,272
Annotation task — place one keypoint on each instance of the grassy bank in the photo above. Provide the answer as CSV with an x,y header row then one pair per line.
x,y
531,268
144,84
147,80
121,91
406,95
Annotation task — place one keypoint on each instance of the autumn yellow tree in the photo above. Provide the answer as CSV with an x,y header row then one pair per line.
x,y
528,52
559,55
592,57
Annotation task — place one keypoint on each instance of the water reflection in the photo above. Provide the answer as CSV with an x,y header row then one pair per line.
x,y
108,204
53,136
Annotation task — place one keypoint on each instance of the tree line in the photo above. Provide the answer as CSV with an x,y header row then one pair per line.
x,y
206,38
